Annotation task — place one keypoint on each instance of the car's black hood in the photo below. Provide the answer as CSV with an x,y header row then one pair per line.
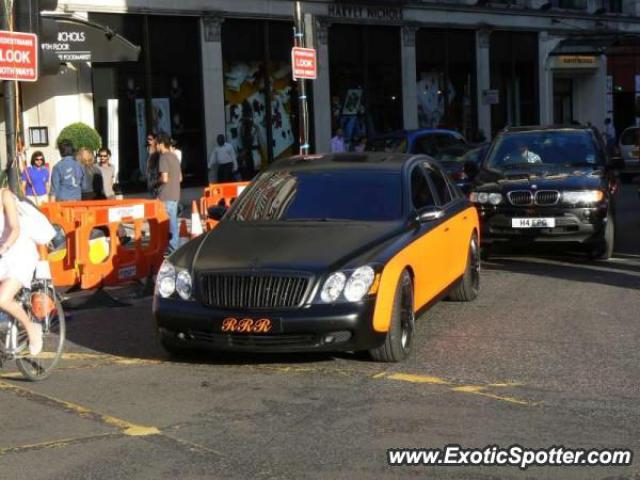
x,y
302,246
543,178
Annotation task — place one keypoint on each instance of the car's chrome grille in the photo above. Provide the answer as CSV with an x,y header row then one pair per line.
x,y
520,197
547,197
253,290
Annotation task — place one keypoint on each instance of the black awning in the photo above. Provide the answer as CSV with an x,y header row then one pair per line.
x,y
592,45
84,41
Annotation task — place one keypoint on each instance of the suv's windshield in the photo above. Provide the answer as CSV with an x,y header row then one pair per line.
x,y
388,144
360,195
559,148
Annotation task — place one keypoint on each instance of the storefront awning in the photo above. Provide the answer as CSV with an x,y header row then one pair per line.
x,y
584,45
84,41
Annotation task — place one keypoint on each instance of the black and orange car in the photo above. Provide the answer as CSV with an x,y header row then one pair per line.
x,y
323,253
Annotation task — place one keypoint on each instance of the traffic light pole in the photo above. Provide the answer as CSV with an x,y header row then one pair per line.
x,y
303,106
9,89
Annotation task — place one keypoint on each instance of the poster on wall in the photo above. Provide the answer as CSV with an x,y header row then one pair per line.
x,y
113,129
431,99
246,112
352,102
161,123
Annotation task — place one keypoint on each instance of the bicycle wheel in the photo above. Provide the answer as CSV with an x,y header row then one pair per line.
x,y
41,366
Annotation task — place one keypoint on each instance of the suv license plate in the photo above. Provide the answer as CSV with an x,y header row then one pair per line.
x,y
533,222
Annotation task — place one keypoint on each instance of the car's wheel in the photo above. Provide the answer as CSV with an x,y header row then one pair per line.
x,y
397,344
469,285
603,250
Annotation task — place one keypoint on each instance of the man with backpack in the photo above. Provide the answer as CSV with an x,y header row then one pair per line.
x,y
67,175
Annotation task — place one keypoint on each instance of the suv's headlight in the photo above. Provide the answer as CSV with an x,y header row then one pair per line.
x,y
494,198
352,285
583,197
171,280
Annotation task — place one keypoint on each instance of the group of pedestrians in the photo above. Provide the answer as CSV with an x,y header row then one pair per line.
x,y
75,177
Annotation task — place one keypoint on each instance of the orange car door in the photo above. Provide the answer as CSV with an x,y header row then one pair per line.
x,y
456,225
429,252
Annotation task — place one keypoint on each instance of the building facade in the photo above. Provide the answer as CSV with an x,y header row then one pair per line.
x,y
210,67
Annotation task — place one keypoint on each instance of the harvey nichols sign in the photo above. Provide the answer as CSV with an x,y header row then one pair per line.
x,y
365,12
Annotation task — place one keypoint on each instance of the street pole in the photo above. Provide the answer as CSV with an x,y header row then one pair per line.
x,y
298,41
9,89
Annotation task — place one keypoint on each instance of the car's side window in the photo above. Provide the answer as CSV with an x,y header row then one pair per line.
x,y
425,145
421,195
441,186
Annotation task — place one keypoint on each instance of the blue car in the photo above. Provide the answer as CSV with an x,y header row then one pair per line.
x,y
427,141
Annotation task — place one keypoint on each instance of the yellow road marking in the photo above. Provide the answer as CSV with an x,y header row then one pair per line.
x,y
55,443
125,427
469,389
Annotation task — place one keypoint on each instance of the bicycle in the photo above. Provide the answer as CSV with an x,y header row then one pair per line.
x,y
42,304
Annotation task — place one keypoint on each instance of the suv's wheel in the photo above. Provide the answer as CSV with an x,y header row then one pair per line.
x,y
469,285
397,345
603,250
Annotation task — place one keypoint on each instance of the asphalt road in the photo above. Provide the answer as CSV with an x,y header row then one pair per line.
x,y
548,355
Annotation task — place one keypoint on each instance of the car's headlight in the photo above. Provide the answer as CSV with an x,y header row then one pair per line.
x,y
493,198
171,280
359,283
583,197
183,284
333,287
166,280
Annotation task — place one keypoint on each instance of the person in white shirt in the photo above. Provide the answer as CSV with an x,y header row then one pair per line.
x,y
223,161
337,142
526,155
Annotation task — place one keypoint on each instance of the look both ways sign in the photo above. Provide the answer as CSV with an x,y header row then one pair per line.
x,y
18,56
304,63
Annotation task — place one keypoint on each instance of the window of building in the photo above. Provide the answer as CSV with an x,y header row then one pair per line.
x,y
166,80
445,61
260,95
514,73
366,80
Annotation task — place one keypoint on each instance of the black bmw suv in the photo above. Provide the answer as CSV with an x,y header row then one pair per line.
x,y
548,184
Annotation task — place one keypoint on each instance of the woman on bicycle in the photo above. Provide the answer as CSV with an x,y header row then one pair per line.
x,y
18,259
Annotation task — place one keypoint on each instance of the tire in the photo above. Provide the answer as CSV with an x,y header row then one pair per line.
x,y
469,285
40,367
604,249
397,345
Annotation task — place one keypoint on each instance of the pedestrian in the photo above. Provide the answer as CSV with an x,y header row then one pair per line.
x,y
610,134
223,161
361,145
92,181
35,179
152,164
169,179
337,142
176,150
67,175
108,172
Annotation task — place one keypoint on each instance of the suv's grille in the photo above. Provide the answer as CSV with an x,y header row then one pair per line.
x,y
233,290
520,197
547,197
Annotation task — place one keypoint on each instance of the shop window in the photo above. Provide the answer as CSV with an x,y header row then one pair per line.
x,y
366,81
572,4
260,98
445,61
514,73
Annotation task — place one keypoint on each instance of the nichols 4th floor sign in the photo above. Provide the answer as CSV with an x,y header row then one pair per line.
x,y
18,56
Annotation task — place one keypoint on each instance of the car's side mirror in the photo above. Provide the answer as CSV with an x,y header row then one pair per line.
x,y
616,163
471,169
429,214
216,213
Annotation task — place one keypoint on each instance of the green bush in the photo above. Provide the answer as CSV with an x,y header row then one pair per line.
x,y
81,135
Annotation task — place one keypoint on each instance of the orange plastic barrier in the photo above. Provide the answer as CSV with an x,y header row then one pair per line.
x,y
105,241
219,194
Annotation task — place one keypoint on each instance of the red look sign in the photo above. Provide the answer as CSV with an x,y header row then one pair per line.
x,y
304,64
18,56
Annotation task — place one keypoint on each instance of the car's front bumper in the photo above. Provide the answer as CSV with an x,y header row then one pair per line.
x,y
340,327
572,225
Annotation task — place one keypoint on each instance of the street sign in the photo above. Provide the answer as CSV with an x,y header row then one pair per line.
x,y
18,56
304,63
490,97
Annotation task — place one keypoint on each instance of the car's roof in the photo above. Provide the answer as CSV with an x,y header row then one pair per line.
x,y
543,128
346,161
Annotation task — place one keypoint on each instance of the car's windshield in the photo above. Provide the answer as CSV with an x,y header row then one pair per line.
x,y
630,136
334,195
552,148
388,144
